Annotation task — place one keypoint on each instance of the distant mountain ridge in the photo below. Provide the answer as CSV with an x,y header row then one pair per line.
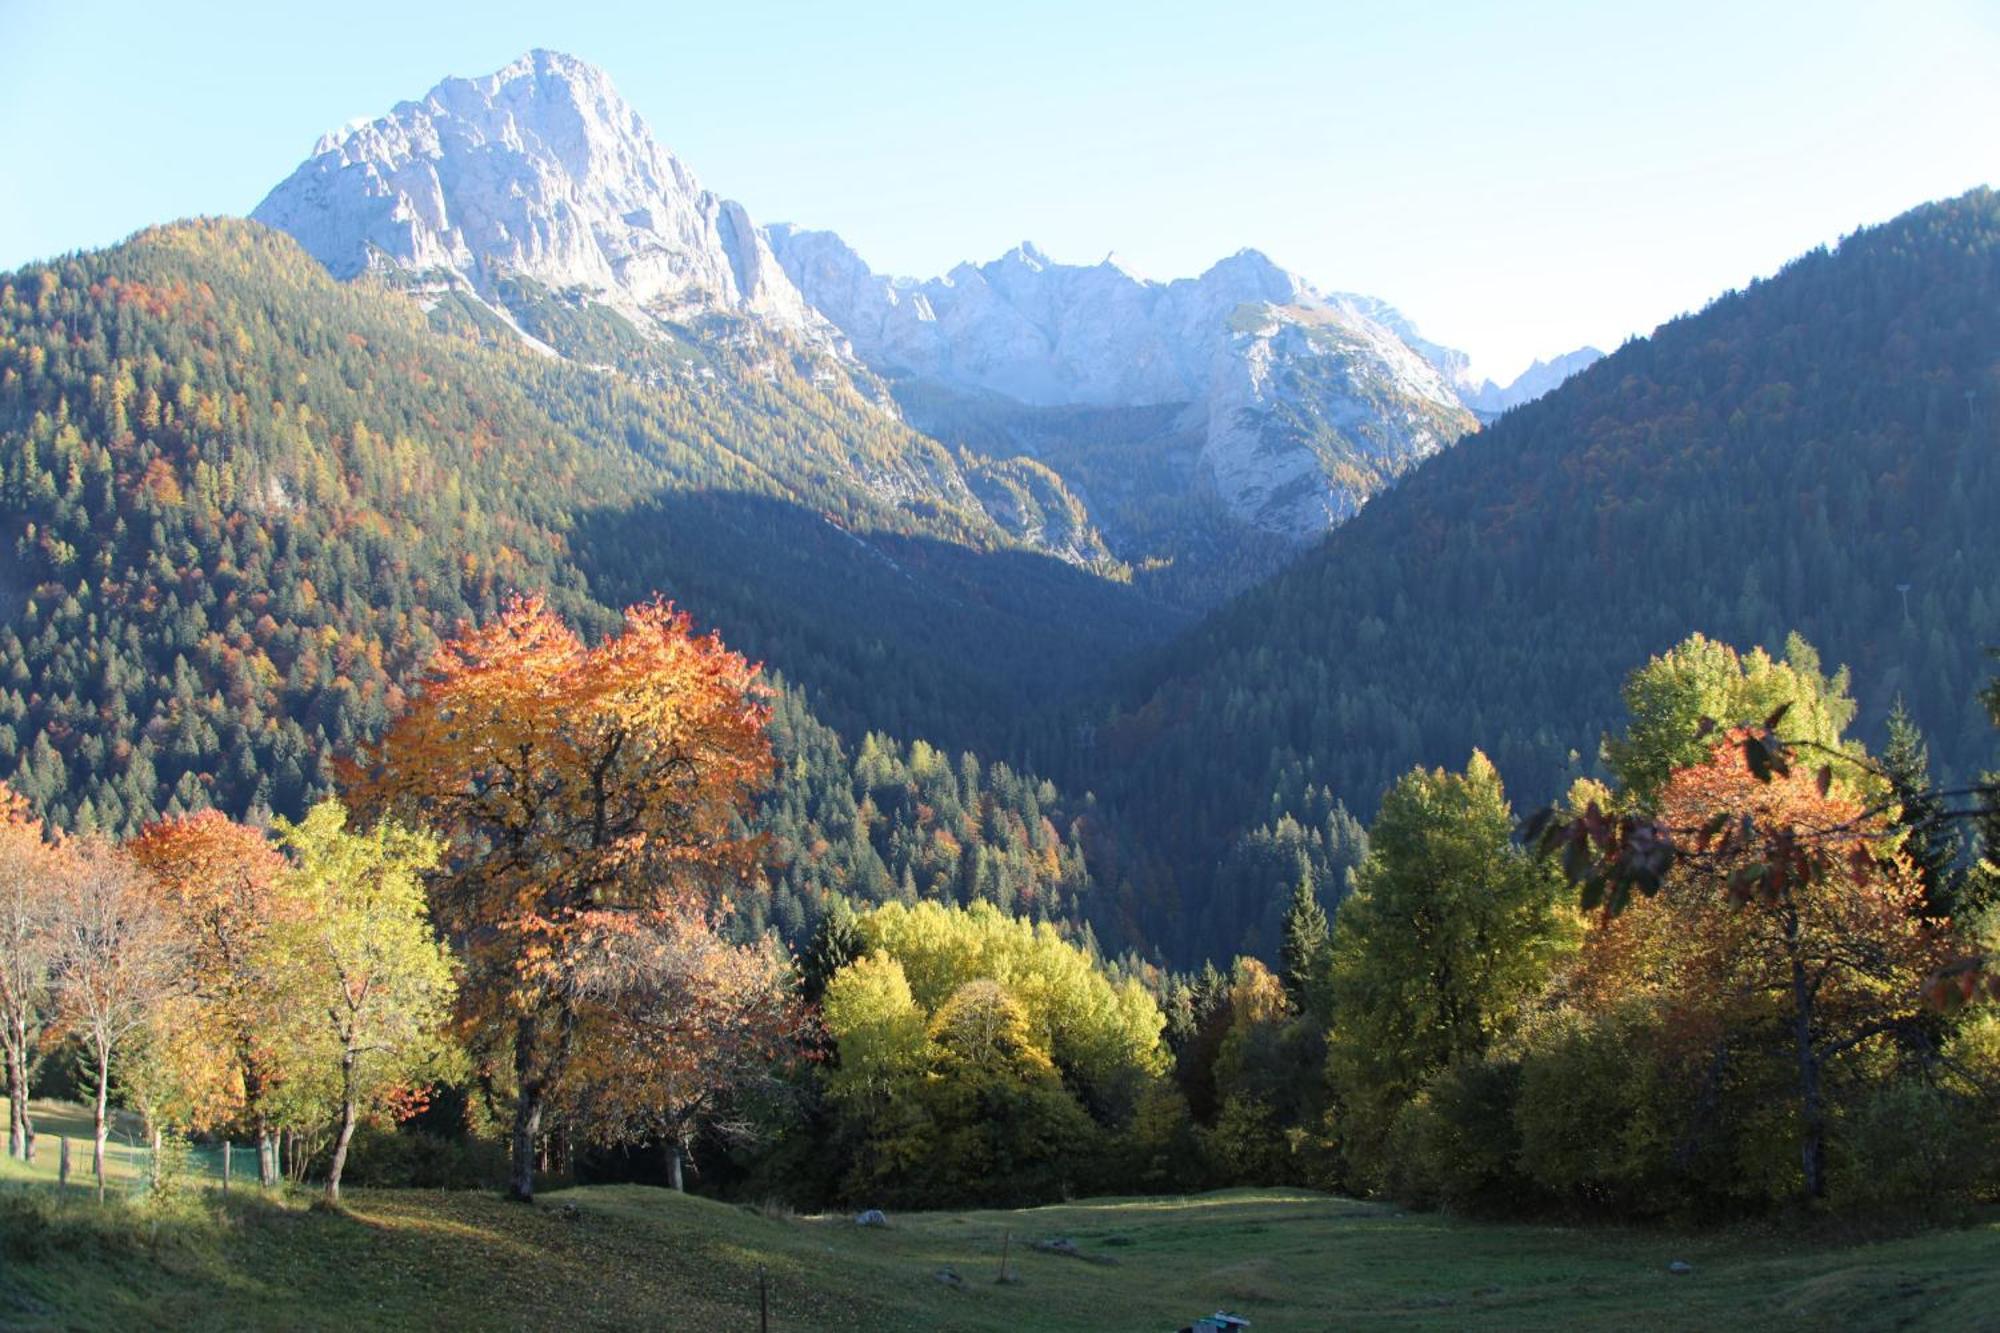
x,y
1483,396
1305,405
1491,399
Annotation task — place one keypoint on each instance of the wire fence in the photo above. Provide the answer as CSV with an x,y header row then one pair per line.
x,y
128,1157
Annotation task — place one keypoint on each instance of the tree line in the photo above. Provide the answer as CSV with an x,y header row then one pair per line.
x,y
534,914
1490,1022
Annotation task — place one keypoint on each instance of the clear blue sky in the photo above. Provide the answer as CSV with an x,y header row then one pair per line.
x,y
1520,178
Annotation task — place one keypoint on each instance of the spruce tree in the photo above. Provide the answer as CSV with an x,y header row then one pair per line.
x,y
1930,840
836,942
1306,948
1980,888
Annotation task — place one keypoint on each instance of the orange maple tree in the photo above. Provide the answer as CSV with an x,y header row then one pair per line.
x,y
1786,913
223,884
580,790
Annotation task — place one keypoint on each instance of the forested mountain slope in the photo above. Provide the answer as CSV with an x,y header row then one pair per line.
x,y
242,501
1819,453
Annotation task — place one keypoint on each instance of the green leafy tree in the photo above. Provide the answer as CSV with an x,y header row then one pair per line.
x,y
1669,697
371,983
883,1037
1102,1032
981,1057
1451,929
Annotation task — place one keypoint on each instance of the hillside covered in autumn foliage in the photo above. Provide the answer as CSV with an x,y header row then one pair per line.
x,y
244,503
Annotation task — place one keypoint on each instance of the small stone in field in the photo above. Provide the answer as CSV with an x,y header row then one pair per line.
x,y
871,1217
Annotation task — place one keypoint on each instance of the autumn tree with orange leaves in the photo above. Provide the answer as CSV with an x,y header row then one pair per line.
x,y
1785,920
584,793
223,882
679,1025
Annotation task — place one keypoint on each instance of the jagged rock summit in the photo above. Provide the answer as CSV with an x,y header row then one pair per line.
x,y
540,170
1305,404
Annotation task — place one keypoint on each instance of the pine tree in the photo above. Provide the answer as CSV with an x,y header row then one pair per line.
x,y
836,942
1306,950
1930,840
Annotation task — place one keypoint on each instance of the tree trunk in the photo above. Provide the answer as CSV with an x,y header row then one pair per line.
x,y
101,1126
527,1114
253,1096
20,1130
153,1139
346,1135
527,1127
674,1168
1812,1108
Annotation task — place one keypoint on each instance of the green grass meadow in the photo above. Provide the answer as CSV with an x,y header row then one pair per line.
x,y
634,1257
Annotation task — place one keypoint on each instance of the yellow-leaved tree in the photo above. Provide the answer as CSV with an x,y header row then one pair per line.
x,y
368,983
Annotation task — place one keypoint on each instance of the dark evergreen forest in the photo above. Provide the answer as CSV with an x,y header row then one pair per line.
x,y
1819,454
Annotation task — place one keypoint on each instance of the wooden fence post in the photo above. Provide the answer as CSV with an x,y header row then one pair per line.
x,y
225,1166
62,1168
763,1301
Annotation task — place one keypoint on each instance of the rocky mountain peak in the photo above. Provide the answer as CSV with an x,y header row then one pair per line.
x,y
542,170
1274,378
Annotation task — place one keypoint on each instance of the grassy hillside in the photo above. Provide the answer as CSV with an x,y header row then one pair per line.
x,y
628,1256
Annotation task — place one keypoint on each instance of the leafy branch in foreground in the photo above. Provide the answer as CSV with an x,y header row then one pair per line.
x,y
1764,852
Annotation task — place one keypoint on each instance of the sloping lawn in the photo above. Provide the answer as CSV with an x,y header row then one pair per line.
x,y
628,1256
